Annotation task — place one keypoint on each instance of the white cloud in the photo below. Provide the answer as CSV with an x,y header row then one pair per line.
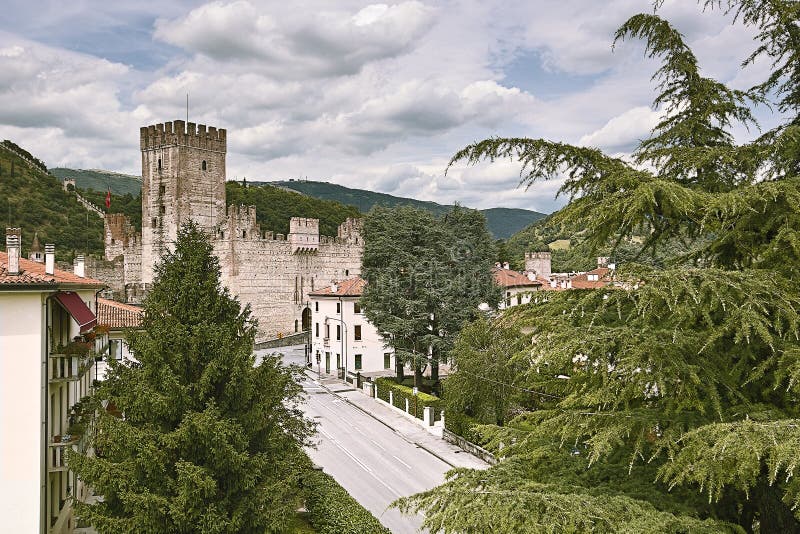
x,y
623,131
376,95
296,44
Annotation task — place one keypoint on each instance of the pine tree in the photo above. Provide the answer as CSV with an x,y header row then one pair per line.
x,y
205,442
425,278
667,403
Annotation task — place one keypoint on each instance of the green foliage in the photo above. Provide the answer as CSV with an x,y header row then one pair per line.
x,y
416,403
333,511
101,181
275,206
484,379
501,222
127,204
208,442
667,403
425,278
36,202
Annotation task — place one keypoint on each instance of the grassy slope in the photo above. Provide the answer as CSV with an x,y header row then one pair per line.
x,y
120,184
36,202
501,222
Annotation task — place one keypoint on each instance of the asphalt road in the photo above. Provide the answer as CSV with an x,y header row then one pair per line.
x,y
373,463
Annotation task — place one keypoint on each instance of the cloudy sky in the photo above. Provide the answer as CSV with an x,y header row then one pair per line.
x,y
368,95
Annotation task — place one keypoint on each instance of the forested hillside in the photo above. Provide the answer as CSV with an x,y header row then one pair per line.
x,y
119,184
34,200
501,222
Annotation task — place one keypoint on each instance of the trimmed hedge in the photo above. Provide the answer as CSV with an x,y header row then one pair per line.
x,y
331,510
462,425
401,393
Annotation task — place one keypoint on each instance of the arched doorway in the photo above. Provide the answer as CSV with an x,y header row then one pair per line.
x,y
306,319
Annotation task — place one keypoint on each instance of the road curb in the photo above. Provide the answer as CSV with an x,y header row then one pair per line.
x,y
384,423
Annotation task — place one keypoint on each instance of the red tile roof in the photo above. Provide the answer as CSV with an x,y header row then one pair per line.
x,y
582,281
352,287
509,278
118,315
32,273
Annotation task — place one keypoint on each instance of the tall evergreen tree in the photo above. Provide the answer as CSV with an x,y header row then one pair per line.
x,y
425,278
667,404
206,441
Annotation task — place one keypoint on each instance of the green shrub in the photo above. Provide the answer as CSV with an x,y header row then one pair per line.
x,y
401,393
463,425
331,510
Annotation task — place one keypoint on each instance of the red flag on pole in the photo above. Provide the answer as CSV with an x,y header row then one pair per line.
x,y
108,200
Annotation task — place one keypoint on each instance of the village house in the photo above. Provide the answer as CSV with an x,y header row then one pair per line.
x,y
116,319
343,341
48,348
517,287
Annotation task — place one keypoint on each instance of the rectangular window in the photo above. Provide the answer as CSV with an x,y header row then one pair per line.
x,y
327,331
338,332
358,362
338,307
114,349
316,306
357,332
316,330
356,307
387,360
338,361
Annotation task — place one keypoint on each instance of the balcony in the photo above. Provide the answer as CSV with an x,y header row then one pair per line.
x,y
70,363
56,449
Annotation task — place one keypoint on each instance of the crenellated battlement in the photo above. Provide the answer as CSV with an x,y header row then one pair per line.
x,y
178,132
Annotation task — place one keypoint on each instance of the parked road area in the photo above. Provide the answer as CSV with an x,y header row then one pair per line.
x,y
373,461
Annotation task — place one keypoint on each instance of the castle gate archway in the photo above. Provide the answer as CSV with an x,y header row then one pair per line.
x,y
306,319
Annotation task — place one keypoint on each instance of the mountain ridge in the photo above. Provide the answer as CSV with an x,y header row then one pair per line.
x,y
501,222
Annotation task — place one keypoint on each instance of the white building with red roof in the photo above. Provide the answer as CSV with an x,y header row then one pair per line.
x,y
47,365
343,341
117,319
518,288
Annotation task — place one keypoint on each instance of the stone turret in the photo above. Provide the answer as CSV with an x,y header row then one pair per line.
x,y
304,234
538,263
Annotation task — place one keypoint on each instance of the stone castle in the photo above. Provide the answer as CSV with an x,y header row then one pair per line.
x,y
183,178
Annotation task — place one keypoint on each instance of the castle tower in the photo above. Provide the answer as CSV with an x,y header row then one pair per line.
x,y
303,234
183,178
539,263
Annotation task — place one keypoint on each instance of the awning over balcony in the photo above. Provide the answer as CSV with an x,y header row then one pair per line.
x,y
72,302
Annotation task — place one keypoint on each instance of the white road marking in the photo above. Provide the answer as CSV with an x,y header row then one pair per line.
x,y
376,444
401,461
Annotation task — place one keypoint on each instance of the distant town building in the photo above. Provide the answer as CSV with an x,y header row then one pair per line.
x,y
47,365
343,341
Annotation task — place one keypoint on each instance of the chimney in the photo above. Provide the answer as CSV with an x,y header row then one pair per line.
x,y
13,245
50,259
531,276
334,288
505,265
80,266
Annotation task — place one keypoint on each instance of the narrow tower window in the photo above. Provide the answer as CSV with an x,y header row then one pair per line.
x,y
204,165
159,164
